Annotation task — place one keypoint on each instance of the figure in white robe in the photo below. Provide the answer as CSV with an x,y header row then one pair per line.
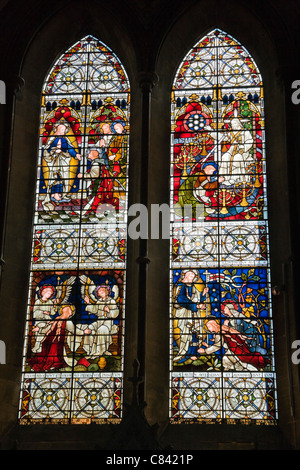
x,y
100,303
235,162
233,165
44,308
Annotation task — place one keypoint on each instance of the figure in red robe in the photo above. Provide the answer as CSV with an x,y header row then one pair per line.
x,y
53,353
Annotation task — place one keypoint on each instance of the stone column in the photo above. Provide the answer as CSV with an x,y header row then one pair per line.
x,y
289,79
146,80
13,91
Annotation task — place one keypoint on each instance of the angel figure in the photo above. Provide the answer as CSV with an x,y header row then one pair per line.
x,y
60,162
233,166
44,309
53,323
99,302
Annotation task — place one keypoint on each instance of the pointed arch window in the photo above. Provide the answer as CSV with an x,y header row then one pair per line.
x,y
73,349
221,347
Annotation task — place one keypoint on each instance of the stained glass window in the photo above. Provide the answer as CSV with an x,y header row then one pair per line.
x,y
73,350
221,345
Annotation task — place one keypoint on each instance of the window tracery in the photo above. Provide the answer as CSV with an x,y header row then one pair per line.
x,y
73,349
221,346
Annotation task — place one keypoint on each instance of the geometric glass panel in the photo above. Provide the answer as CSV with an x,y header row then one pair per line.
x,y
218,398
74,338
222,365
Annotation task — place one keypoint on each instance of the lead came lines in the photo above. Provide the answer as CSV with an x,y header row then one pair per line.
x,y
241,244
58,257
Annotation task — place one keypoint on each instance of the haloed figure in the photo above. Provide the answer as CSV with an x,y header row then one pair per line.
x,y
52,354
44,309
189,314
57,155
101,331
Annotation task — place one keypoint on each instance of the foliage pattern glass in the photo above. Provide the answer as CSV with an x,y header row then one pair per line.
x,y
221,345
73,351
